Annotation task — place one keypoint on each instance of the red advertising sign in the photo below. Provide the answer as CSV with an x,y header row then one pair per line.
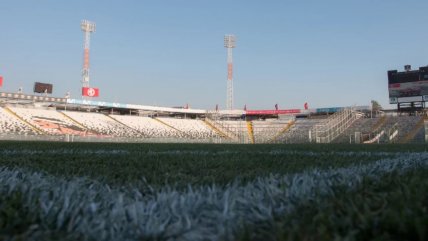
x,y
1,81
90,92
272,112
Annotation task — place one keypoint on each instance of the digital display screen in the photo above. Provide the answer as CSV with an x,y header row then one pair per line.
x,y
408,83
42,88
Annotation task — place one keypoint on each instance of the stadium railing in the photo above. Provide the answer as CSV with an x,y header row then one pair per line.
x,y
336,124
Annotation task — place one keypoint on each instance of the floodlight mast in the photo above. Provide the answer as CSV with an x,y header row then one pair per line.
x,y
87,28
229,43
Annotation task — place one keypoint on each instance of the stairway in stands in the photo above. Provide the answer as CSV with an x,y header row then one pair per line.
x,y
35,128
73,120
285,129
416,129
170,126
222,129
250,131
209,123
120,122
381,122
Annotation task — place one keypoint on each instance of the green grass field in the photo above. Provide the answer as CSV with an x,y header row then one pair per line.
x,y
99,191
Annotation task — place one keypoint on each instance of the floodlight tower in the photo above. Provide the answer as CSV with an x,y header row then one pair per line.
x,y
229,43
87,28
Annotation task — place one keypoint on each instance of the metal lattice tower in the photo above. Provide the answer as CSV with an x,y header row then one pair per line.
x,y
229,43
87,28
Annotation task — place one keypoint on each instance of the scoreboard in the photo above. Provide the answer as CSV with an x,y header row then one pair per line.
x,y
42,88
409,83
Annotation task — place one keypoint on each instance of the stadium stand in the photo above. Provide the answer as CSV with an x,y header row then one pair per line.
x,y
299,131
416,134
379,124
334,126
384,129
392,129
29,121
238,128
364,126
404,126
49,121
9,123
265,131
216,128
191,128
221,129
148,126
102,124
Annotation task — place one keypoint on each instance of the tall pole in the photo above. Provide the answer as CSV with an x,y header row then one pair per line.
x,y
87,28
229,43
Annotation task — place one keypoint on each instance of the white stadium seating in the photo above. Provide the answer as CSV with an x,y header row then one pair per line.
x,y
102,124
49,121
191,128
11,124
265,131
299,132
238,128
26,121
149,127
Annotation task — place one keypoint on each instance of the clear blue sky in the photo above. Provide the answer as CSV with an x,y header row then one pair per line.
x,y
169,53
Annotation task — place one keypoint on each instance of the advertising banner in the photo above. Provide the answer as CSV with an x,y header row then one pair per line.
x,y
273,112
329,110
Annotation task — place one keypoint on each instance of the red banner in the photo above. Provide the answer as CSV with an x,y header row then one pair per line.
x,y
1,81
90,92
272,112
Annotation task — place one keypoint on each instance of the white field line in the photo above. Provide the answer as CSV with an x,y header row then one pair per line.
x,y
66,151
278,153
62,151
206,213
